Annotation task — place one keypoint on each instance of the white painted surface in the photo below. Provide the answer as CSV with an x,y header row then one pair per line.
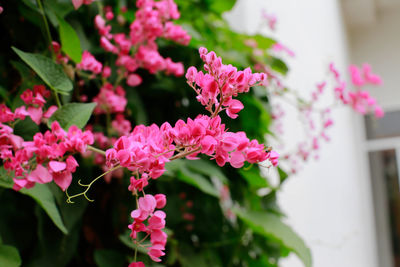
x,y
329,203
379,44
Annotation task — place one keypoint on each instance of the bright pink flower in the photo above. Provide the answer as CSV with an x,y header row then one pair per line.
x,y
138,184
109,15
50,111
233,107
356,78
278,47
71,164
107,45
379,113
369,76
63,179
274,157
78,3
36,114
106,72
89,63
161,201
208,145
237,159
133,80
137,264
155,252
40,175
147,203
57,166
157,220
110,100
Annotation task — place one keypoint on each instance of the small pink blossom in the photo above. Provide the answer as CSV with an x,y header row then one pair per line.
x,y
89,63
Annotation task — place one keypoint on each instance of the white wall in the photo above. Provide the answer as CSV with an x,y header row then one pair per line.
x,y
329,202
379,44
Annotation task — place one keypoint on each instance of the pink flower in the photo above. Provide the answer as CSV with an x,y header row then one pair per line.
x,y
63,179
40,175
71,164
50,111
147,203
208,145
371,77
161,201
35,114
106,72
137,264
356,78
138,184
155,252
107,45
89,63
134,80
78,3
379,113
233,107
274,157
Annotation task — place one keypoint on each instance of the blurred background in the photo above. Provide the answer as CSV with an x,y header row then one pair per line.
x,y
346,204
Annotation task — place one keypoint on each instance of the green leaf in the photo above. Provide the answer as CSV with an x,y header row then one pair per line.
x,y
70,42
127,241
254,118
206,168
6,180
220,6
197,180
73,114
282,175
263,42
109,258
59,8
41,194
279,66
26,129
271,226
9,256
254,178
51,73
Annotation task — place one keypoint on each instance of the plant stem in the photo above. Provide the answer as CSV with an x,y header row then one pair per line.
x,y
96,150
46,25
89,185
136,248
57,99
184,154
100,7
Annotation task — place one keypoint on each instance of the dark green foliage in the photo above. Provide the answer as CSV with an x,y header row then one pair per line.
x,y
43,230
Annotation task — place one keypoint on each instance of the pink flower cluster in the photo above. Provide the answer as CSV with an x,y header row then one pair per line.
x,y
60,58
46,158
147,149
216,89
49,156
155,224
89,63
35,101
110,100
279,47
271,19
153,20
360,100
78,3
